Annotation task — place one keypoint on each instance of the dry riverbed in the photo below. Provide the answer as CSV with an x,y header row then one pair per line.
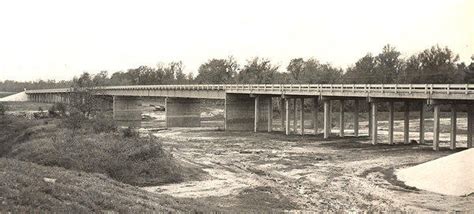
x,y
262,171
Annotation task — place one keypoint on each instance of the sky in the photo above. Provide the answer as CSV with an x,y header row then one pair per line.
x,y
61,39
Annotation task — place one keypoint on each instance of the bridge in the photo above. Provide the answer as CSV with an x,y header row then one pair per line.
x,y
249,107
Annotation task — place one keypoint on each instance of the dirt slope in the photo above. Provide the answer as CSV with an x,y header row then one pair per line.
x,y
450,175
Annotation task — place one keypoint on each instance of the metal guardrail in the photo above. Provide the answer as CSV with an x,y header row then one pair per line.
x,y
317,88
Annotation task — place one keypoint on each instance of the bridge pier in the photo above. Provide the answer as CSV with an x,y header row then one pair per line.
x,y
436,127
374,122
239,112
295,118
369,118
470,125
452,144
327,118
341,118
422,123
302,116
406,120
182,112
287,116
127,111
270,114
282,114
391,110
356,118
314,110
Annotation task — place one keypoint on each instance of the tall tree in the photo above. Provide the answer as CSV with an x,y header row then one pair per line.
x,y
388,65
218,71
257,71
362,72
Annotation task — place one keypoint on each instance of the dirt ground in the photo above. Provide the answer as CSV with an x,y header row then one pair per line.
x,y
274,172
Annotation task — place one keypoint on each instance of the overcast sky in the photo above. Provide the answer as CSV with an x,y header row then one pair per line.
x,y
60,39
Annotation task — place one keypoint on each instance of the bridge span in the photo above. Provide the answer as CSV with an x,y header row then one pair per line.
x,y
250,107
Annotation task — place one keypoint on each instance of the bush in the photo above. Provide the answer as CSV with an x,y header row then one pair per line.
x,y
58,109
75,120
136,161
129,132
103,124
3,109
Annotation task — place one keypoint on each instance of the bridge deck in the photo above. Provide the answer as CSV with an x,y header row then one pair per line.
x,y
405,91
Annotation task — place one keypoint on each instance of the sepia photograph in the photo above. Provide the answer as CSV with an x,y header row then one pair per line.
x,y
248,106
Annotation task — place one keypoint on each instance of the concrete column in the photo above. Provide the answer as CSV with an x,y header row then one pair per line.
x,y
314,110
356,118
255,124
452,144
302,116
270,114
327,119
470,125
282,114
287,116
391,110
127,111
341,119
239,109
182,112
406,120
422,123
295,118
374,122
370,120
436,128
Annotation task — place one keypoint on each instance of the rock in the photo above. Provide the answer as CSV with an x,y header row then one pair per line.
x,y
50,180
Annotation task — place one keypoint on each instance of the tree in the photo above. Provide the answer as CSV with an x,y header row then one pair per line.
x,y
363,71
437,65
469,72
312,71
257,71
218,71
296,67
388,65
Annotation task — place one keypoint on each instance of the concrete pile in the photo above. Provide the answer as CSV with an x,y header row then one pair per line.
x,y
450,175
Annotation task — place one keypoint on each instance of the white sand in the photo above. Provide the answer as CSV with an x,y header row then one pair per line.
x,y
450,175
15,97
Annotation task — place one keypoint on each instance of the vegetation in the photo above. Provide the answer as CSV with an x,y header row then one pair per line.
x,y
433,65
31,188
134,160
3,109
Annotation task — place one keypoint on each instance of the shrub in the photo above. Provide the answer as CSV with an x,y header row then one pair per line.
x,y
75,120
58,109
3,109
129,132
103,124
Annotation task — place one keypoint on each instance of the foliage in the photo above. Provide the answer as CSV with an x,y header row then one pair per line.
x,y
74,120
433,65
103,124
129,132
218,71
257,71
57,109
3,108
311,71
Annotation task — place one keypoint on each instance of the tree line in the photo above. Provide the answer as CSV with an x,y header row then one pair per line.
x,y
433,65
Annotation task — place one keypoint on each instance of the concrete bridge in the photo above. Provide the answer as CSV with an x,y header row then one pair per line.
x,y
250,107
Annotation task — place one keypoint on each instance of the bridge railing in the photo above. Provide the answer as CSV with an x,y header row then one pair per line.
x,y
359,88
317,88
